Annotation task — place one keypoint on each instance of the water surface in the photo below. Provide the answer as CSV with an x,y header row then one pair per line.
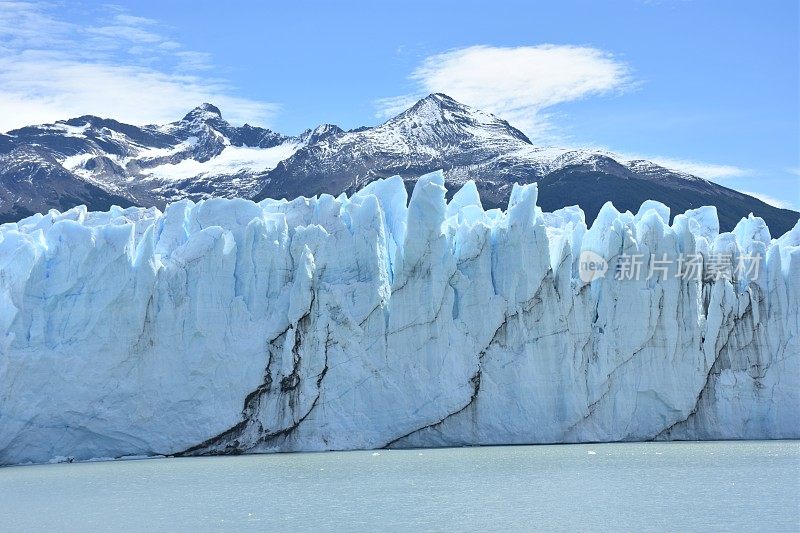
x,y
678,486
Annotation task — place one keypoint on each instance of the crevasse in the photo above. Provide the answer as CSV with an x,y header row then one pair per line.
x,y
230,326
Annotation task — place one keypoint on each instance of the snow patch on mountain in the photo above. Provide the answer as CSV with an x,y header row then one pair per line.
x,y
156,153
232,160
71,131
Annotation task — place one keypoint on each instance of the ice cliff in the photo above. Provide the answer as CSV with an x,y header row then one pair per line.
x,y
230,326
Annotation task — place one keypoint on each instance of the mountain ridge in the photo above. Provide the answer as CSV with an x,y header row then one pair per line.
x,y
99,161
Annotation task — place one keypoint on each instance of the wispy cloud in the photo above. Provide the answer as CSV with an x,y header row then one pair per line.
x,y
709,171
771,200
394,105
519,84
112,64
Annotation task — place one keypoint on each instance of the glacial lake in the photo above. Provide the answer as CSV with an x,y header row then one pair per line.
x,y
752,486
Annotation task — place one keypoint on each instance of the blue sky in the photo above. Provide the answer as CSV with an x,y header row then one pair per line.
x,y
708,87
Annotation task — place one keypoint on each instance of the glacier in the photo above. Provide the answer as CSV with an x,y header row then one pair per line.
x,y
372,321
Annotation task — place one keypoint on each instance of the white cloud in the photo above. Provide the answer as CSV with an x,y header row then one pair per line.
x,y
130,33
113,65
771,200
194,60
132,20
518,84
524,84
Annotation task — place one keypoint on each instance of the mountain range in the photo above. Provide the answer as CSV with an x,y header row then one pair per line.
x,y
101,162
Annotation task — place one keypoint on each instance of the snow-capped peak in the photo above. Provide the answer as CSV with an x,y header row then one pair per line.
x,y
440,115
320,133
437,107
203,112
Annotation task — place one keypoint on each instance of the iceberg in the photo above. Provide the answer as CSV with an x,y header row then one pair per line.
x,y
375,321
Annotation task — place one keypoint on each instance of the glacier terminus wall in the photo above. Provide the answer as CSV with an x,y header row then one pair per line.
x,y
229,326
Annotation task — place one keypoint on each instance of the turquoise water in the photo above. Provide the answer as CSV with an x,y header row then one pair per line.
x,y
650,486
